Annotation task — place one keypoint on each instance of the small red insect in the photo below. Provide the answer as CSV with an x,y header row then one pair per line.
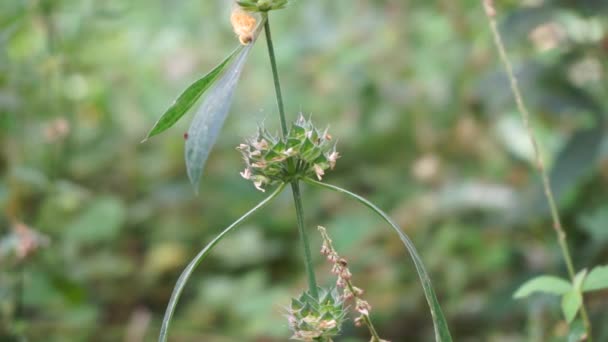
x,y
186,136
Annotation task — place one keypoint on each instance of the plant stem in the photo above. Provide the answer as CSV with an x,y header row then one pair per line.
x,y
275,75
297,199
295,186
349,284
187,272
540,165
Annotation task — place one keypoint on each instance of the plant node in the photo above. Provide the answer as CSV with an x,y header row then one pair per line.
x,y
262,5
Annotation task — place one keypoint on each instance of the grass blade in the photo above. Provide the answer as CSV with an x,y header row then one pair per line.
x,y
189,97
442,332
183,278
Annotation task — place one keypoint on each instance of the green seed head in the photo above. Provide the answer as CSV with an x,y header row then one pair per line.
x,y
304,152
316,320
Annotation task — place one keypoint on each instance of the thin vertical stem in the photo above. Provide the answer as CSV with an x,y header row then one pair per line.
x,y
295,186
275,74
490,11
297,199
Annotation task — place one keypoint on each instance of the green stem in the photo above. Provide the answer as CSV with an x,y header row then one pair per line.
x,y
187,272
275,74
490,11
372,329
295,186
310,271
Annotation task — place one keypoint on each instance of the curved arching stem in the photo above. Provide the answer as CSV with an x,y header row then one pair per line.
x,y
442,332
183,278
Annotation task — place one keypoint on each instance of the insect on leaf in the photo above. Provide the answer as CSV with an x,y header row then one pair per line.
x,y
189,97
209,119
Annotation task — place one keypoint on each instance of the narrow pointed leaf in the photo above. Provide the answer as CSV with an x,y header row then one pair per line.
x,y
442,332
597,279
547,284
189,97
571,303
579,279
209,119
183,278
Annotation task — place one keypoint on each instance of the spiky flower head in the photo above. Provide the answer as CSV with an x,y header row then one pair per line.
x,y
262,5
304,152
316,320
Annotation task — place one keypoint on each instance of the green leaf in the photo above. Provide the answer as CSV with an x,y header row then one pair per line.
x,y
101,221
187,272
544,283
579,278
442,332
597,279
189,97
209,119
594,224
577,331
571,302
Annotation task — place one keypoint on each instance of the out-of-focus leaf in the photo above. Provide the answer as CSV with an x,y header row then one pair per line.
x,y
164,257
209,119
544,283
577,331
30,179
596,225
571,302
247,247
597,279
100,221
189,97
577,159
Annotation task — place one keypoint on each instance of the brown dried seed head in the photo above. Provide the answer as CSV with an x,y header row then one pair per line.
x,y
243,25
488,6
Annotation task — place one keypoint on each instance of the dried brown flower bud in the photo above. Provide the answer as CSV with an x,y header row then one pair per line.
x,y
243,24
488,6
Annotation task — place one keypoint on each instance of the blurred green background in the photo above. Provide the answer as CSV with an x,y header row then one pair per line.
x,y
427,128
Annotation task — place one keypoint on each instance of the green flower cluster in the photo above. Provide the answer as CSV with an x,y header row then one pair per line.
x,y
316,320
262,5
304,152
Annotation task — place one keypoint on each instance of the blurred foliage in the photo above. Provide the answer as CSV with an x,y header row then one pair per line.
x,y
426,125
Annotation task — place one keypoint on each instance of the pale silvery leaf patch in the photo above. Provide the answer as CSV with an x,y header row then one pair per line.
x,y
210,117
219,84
